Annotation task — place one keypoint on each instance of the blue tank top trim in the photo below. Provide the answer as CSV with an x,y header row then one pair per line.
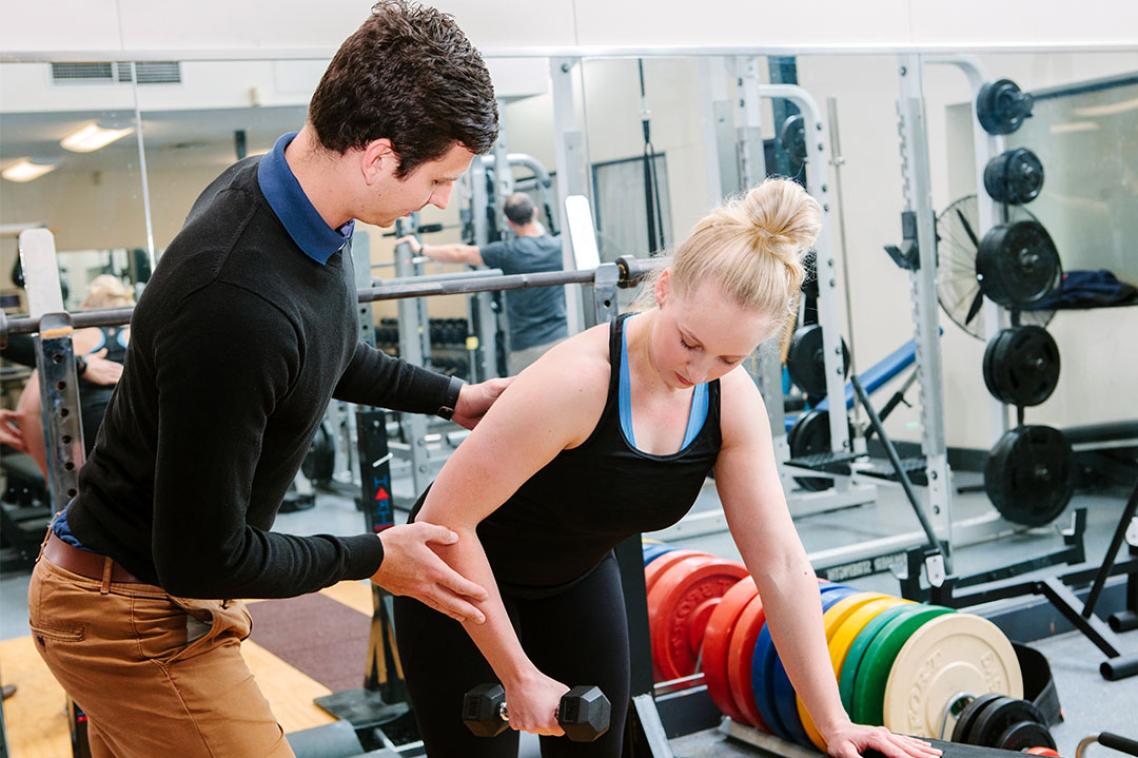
x,y
697,415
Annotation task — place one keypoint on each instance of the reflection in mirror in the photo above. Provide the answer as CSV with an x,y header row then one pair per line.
x,y
70,161
220,112
1086,137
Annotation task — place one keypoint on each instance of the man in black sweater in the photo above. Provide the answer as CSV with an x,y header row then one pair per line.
x,y
242,338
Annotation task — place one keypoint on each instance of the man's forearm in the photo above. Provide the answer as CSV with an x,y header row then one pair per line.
x,y
451,253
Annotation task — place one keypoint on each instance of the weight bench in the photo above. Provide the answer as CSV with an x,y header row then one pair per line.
x,y
873,379
809,433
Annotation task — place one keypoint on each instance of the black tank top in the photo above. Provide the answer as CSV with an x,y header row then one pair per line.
x,y
94,398
569,516
116,351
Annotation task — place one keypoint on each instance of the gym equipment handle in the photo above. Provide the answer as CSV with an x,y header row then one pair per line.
x,y
1117,742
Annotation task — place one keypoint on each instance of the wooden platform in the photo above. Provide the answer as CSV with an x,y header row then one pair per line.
x,y
37,724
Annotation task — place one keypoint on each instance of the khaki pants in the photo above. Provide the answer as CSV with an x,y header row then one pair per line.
x,y
521,359
158,676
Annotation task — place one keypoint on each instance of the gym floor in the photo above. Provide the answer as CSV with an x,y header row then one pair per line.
x,y
37,727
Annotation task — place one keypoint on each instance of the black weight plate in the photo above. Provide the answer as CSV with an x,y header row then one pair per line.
x,y
994,720
1001,106
968,716
793,137
806,362
1028,476
1017,264
1014,176
1021,365
810,435
1026,734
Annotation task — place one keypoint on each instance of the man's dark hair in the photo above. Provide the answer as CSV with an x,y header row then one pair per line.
x,y
519,208
408,74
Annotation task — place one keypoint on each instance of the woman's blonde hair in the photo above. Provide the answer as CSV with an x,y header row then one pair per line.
x,y
752,247
106,291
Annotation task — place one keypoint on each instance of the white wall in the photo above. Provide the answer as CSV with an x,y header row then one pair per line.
x,y
497,25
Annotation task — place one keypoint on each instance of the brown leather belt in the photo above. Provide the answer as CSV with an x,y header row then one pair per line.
x,y
84,562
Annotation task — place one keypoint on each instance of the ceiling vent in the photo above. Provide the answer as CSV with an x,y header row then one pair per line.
x,y
148,72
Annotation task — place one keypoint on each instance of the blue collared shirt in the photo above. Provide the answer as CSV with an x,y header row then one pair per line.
x,y
287,199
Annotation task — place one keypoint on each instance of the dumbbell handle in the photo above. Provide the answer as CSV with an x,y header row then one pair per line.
x,y
504,713
1110,740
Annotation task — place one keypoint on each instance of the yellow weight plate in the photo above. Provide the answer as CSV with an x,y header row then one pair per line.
x,y
845,634
951,654
833,620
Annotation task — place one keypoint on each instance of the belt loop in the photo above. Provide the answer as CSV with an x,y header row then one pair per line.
x,y
46,537
108,567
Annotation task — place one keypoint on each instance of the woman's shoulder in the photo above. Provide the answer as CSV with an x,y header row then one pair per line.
x,y
571,381
741,405
582,359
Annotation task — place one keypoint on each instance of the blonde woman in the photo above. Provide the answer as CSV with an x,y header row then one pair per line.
x,y
609,434
107,343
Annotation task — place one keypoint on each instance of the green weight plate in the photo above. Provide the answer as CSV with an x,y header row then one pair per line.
x,y
857,650
873,673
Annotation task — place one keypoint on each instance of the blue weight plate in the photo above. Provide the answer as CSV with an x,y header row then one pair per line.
x,y
763,685
785,703
763,670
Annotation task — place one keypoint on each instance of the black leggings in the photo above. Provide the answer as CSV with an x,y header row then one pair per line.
x,y
577,637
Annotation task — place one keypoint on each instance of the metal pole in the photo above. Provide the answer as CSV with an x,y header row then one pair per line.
x,y
412,328
895,459
930,368
56,360
752,169
828,297
483,319
142,172
631,270
572,155
837,161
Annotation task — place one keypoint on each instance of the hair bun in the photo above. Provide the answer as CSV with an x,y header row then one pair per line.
x,y
783,216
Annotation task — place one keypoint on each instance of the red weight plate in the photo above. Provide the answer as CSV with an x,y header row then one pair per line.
x,y
716,640
683,561
657,568
680,600
740,655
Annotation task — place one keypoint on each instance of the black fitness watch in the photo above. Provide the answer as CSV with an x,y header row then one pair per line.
x,y
446,411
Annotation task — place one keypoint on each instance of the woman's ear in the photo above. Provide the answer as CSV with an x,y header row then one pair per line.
x,y
663,287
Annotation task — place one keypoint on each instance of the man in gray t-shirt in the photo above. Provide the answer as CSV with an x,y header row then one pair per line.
x,y
537,316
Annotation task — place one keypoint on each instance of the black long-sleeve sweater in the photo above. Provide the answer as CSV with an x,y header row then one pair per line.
x,y
239,343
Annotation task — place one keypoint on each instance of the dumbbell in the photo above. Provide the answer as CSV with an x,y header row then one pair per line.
x,y
583,713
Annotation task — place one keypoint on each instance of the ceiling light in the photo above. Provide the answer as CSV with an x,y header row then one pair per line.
x,y
1110,109
1074,126
25,170
93,137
